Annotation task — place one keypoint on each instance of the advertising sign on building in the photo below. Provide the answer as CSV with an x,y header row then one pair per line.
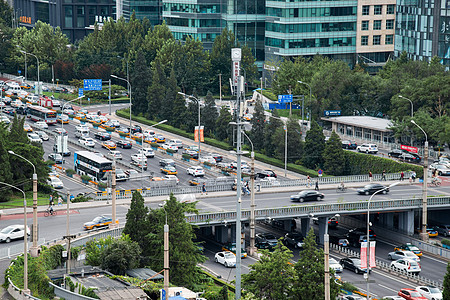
x,y
331,113
409,148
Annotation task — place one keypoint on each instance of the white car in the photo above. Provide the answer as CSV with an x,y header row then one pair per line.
x,y
56,103
172,177
429,292
13,232
208,159
406,265
41,125
172,147
33,137
5,119
87,141
367,148
103,119
226,258
138,157
114,154
55,182
148,152
403,254
393,298
195,171
335,265
121,175
42,135
177,142
115,123
441,169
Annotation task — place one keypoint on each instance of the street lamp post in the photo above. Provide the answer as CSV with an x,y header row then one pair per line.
x,y
129,89
368,232
252,248
166,254
34,247
424,234
285,144
412,105
198,132
326,252
25,239
303,101
39,82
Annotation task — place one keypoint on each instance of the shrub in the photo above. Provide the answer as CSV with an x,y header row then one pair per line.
x,y
348,287
445,242
110,129
85,178
81,199
186,156
170,151
102,185
70,172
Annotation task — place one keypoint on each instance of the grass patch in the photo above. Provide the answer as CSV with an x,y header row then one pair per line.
x,y
17,201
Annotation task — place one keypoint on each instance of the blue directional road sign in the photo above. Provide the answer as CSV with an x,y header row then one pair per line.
x,y
92,84
284,98
80,92
163,294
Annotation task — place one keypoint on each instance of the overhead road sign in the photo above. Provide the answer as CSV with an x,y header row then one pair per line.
x,y
92,84
284,98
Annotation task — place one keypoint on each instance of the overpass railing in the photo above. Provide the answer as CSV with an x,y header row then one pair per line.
x,y
318,209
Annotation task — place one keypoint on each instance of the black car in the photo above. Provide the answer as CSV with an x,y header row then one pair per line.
x,y
124,144
404,155
372,188
266,237
293,239
136,128
22,110
307,196
61,89
9,111
352,264
103,136
264,246
217,157
349,145
266,173
372,234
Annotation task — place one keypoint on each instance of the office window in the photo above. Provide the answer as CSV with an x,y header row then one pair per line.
x,y
377,9
68,16
365,10
390,9
365,25
389,40
377,25
364,40
376,39
80,17
389,24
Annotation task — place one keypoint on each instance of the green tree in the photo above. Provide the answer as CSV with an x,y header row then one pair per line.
x,y
156,92
95,249
223,128
309,272
272,276
446,291
140,80
270,142
183,255
209,114
333,156
221,59
121,255
136,226
223,294
258,123
6,12
314,146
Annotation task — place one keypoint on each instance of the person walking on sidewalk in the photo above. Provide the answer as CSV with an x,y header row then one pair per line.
x,y
59,201
204,189
317,185
308,181
383,175
402,176
370,176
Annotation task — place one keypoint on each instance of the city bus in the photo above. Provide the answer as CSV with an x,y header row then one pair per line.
x,y
91,164
39,113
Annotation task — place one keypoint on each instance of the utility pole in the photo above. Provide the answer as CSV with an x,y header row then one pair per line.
x,y
220,89
109,96
113,194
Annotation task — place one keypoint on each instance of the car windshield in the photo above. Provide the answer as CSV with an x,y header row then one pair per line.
x,y
410,254
97,219
434,290
229,255
270,237
356,262
415,294
414,264
333,261
7,230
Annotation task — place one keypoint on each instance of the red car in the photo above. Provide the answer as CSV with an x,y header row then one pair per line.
x,y
411,294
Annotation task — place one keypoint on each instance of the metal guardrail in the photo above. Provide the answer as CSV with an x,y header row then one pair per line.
x,y
386,268
318,210
67,294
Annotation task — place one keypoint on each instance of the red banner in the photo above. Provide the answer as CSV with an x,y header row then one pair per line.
x,y
202,138
363,255
196,134
409,148
372,254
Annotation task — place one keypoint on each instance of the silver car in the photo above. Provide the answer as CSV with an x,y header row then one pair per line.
x,y
13,232
403,255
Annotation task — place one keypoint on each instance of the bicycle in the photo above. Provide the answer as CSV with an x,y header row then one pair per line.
x,y
342,189
434,183
48,213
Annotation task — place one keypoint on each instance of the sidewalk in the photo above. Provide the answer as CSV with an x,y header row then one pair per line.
x,y
199,197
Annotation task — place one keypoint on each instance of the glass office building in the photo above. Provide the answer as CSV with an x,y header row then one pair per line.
x,y
423,29
150,9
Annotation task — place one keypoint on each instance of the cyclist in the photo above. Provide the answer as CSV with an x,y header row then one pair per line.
x,y
341,186
434,179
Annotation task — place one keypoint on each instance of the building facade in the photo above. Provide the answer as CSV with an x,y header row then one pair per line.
x,y
423,29
150,9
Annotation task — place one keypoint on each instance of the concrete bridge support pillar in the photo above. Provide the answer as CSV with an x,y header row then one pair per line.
x,y
206,231
389,220
221,233
406,222
322,228
304,226
287,225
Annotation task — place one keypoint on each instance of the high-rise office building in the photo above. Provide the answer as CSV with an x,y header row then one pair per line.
x,y
150,9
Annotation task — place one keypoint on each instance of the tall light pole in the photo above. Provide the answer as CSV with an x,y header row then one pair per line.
x,y
303,101
34,247
368,232
39,82
252,248
326,252
129,89
25,239
412,105
198,132
285,144
62,125
424,234
166,254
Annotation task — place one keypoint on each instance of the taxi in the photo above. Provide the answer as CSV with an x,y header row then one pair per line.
x,y
109,145
409,247
137,135
62,119
80,116
157,179
169,170
160,138
231,247
432,232
27,128
98,222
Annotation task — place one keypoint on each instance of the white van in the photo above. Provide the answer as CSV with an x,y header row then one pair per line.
x,y
81,131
